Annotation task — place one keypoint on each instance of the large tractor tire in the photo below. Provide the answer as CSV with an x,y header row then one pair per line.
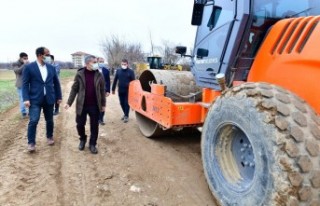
x,y
260,146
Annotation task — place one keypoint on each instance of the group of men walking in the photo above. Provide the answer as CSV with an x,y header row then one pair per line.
x,y
39,89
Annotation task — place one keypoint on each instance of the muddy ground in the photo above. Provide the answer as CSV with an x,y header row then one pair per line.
x,y
129,169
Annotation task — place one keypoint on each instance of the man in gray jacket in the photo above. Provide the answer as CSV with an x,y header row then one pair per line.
x,y
89,87
18,68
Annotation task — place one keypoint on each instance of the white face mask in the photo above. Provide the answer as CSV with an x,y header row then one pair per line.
x,y
94,66
47,59
124,67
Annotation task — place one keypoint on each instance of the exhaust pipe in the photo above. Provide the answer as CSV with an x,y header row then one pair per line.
x,y
221,81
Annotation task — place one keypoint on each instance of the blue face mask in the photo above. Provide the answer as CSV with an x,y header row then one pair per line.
x,y
102,65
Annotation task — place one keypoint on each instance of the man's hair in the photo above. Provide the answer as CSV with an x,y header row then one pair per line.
x,y
23,54
124,61
40,51
88,58
52,57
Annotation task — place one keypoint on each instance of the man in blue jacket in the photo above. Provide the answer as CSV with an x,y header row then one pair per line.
x,y
106,75
125,75
58,68
40,90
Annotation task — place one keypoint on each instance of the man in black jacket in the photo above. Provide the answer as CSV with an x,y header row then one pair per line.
x,y
125,75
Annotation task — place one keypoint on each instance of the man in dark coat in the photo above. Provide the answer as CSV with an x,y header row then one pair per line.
x,y
106,74
125,75
89,87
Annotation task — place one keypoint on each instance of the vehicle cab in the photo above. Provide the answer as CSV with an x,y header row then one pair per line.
x,y
230,33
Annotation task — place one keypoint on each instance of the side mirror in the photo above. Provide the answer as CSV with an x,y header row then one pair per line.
x,y
197,14
182,50
202,53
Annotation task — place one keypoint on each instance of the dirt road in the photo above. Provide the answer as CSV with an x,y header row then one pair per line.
x,y
129,169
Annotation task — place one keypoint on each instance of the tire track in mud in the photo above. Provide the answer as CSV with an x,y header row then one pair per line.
x,y
10,128
28,179
78,168
25,177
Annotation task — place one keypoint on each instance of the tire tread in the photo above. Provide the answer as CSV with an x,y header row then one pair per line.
x,y
297,140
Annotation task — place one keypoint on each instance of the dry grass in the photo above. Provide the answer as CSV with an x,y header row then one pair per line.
x,y
8,94
7,75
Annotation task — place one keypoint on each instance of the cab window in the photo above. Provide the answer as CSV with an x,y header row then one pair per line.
x,y
215,17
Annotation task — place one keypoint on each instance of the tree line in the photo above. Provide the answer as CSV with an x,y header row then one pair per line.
x,y
63,64
115,48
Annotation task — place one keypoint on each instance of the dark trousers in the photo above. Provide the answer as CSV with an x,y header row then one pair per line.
x,y
123,97
93,112
101,116
34,116
56,107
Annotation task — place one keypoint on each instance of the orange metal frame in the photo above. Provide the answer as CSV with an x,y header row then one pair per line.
x,y
290,57
164,111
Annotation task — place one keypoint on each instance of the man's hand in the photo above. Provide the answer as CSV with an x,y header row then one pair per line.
x,y
59,101
103,109
26,103
66,106
107,94
113,92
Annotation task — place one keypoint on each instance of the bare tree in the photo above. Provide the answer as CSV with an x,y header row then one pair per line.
x,y
151,42
115,49
168,52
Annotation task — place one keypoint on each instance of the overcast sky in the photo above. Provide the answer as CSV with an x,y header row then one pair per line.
x,y
67,26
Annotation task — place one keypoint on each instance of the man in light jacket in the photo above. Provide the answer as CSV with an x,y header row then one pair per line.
x,y
18,69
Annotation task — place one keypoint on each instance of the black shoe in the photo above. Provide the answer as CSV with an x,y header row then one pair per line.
x,y
82,145
101,122
93,149
56,112
24,115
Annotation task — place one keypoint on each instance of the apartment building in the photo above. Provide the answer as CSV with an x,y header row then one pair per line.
x,y
78,59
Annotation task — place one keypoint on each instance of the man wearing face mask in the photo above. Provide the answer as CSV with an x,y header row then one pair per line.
x,y
89,87
58,68
40,90
125,75
105,72
18,68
